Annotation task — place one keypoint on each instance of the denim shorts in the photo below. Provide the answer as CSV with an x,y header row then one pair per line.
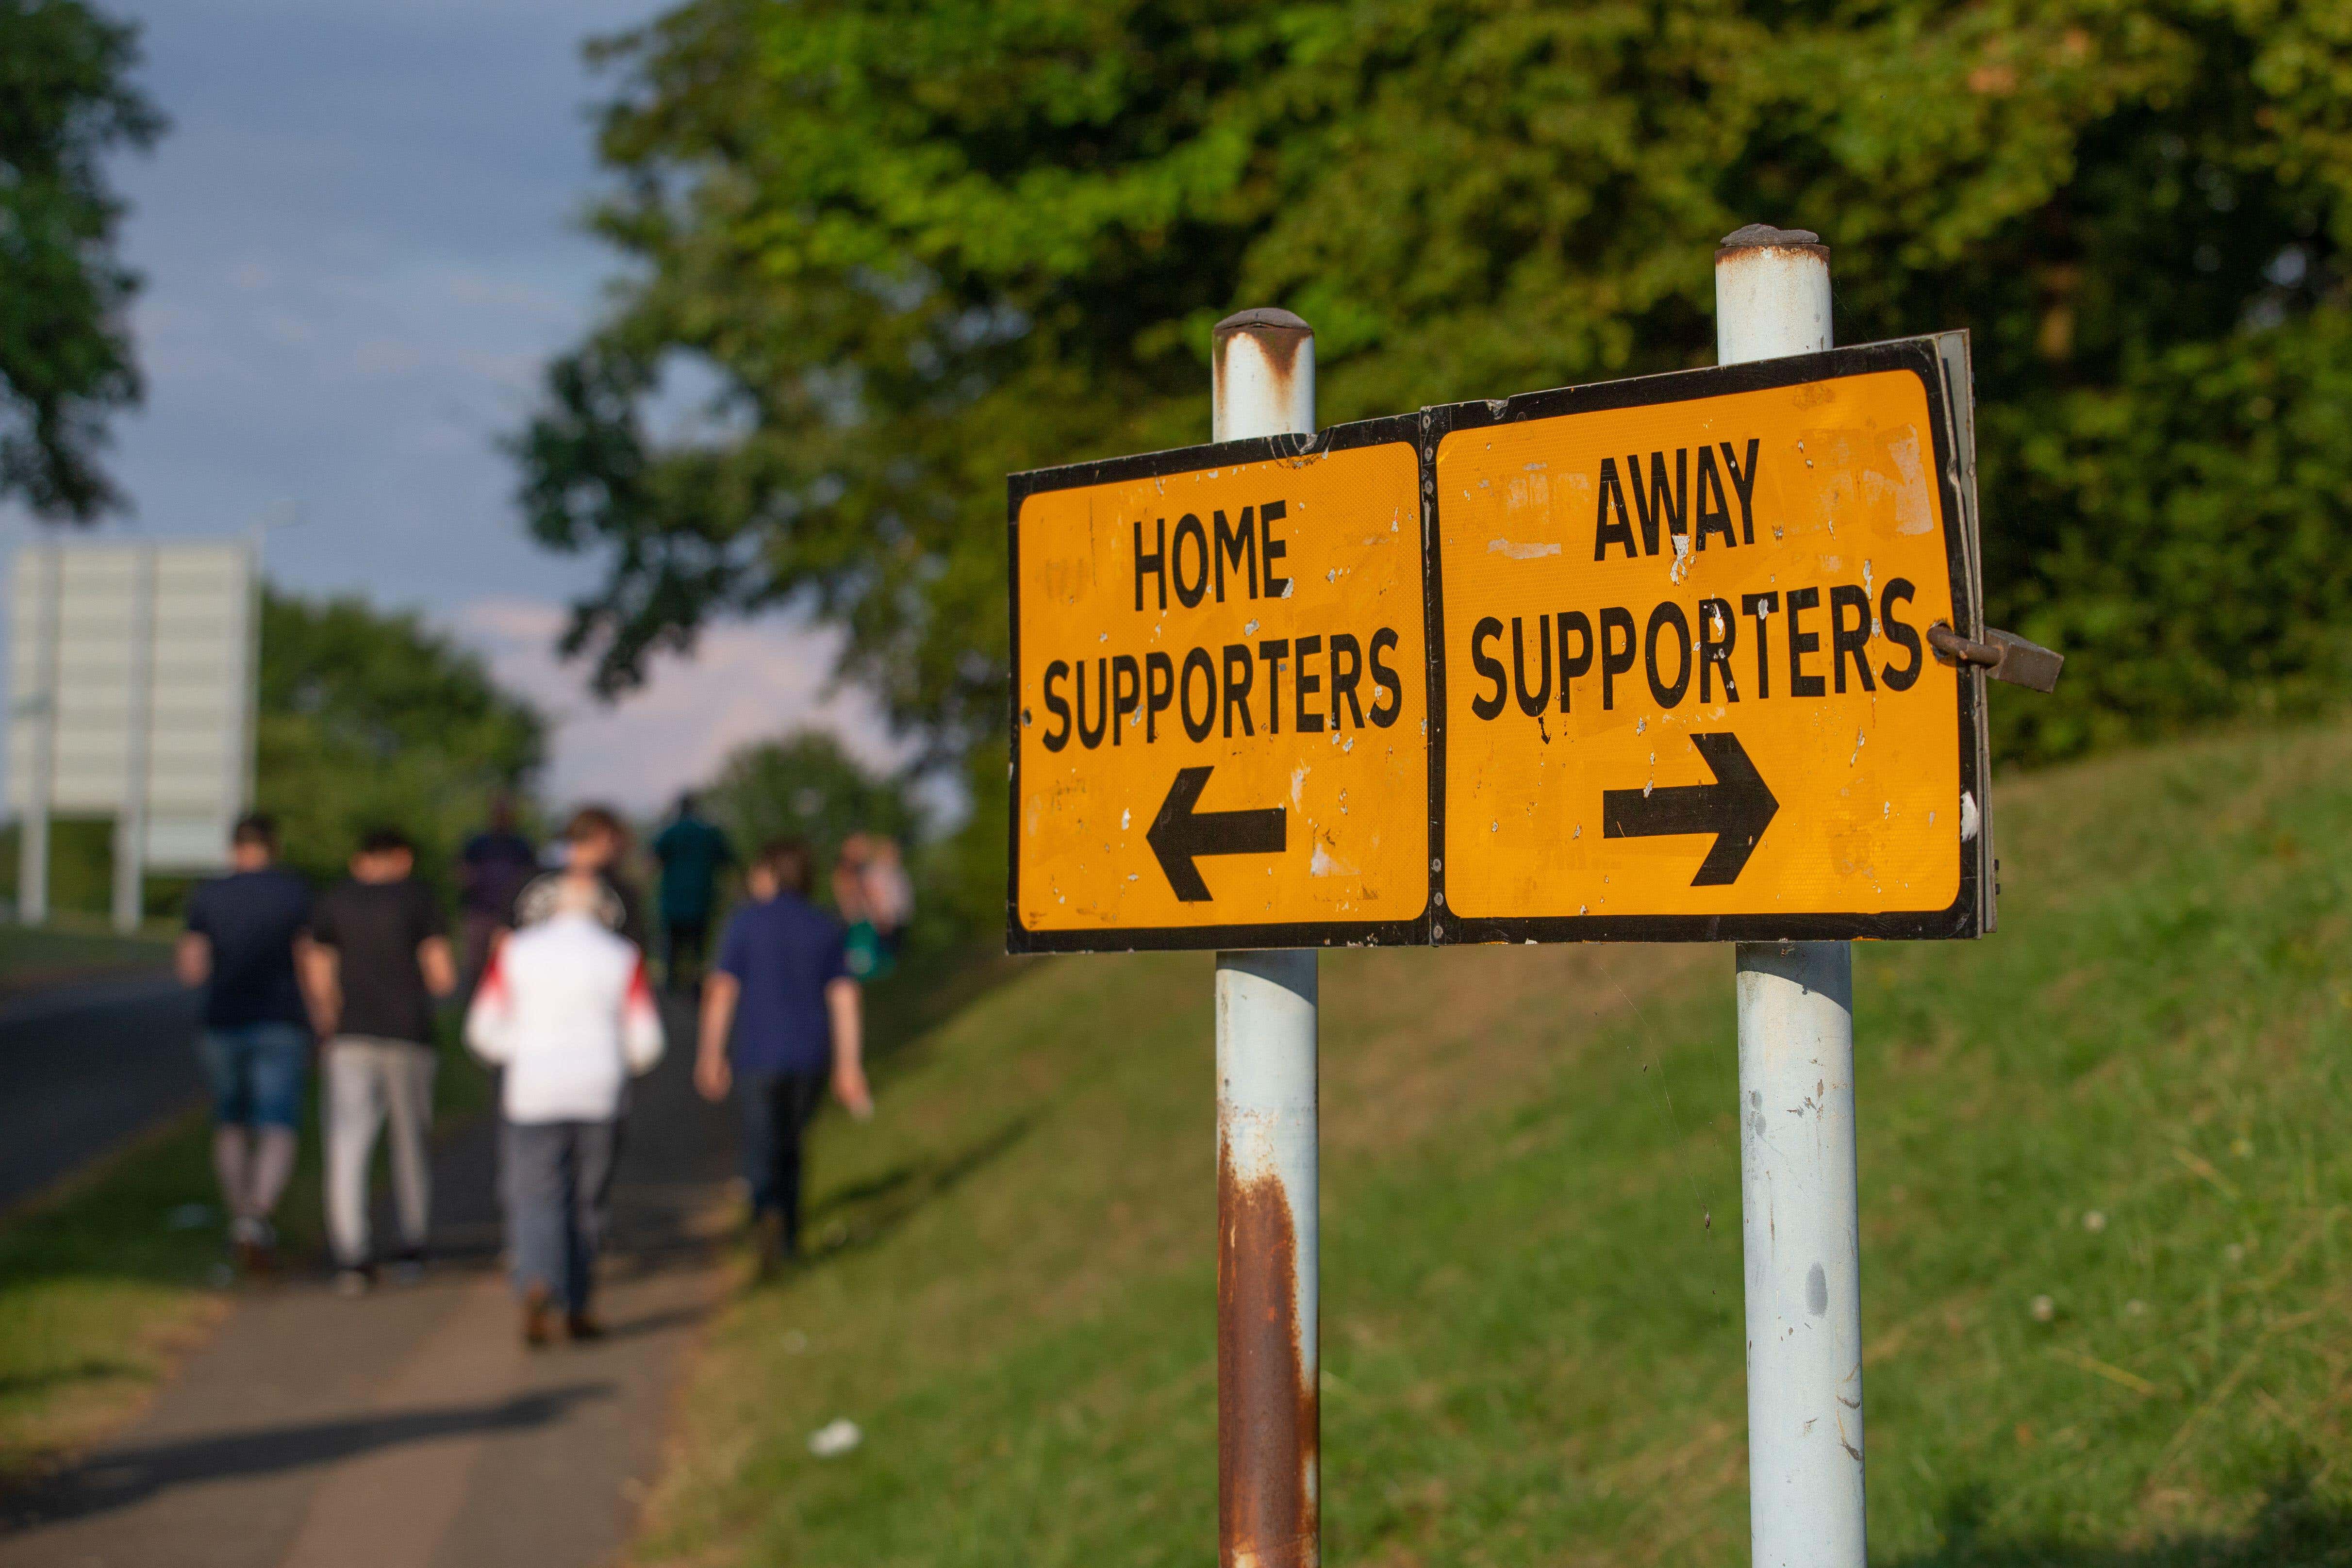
x,y
257,1072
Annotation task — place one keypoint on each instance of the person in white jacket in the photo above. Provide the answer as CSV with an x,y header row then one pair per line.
x,y
565,1008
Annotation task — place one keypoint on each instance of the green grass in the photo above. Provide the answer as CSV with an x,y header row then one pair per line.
x,y
106,1279
100,1289
70,947
1531,1277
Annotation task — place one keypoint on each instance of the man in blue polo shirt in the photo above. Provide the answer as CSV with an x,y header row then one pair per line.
x,y
783,992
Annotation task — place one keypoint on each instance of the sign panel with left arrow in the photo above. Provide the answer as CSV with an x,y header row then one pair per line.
x,y
1220,730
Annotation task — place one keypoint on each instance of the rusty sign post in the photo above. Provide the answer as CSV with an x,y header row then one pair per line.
x,y
1269,1405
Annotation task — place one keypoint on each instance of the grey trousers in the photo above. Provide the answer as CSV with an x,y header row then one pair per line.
x,y
371,1082
558,1178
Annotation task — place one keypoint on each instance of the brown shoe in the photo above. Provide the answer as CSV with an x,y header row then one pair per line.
x,y
537,1318
255,1245
583,1327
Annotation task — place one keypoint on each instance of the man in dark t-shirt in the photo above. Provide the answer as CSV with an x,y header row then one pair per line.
x,y
377,960
692,851
784,993
240,945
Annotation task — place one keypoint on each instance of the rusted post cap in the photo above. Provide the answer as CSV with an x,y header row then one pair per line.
x,y
1263,319
1764,237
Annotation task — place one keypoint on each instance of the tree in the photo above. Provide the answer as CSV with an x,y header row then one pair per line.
x,y
805,786
925,243
368,720
65,344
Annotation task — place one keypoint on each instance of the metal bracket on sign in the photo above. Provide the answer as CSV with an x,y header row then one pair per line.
x,y
2004,655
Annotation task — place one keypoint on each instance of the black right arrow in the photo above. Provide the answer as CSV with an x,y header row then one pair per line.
x,y
1179,833
1735,809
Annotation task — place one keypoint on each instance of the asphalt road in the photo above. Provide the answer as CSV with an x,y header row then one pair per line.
x,y
84,1067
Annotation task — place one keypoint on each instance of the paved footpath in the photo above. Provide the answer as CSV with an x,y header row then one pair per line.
x,y
411,1428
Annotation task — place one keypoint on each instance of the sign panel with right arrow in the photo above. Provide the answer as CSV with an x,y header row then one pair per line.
x,y
1690,685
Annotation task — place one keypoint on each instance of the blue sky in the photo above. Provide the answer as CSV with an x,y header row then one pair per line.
x,y
361,239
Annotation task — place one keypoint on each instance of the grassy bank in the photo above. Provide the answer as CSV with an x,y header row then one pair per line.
x,y
73,947
2127,1102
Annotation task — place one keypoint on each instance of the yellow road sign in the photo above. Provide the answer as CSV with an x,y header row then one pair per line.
x,y
1221,720
1683,686
1687,685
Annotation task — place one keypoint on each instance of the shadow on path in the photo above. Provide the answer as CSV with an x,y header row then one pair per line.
x,y
126,1475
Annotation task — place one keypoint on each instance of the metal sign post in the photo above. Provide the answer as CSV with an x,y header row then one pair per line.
x,y
1800,1227
37,730
137,783
1269,1407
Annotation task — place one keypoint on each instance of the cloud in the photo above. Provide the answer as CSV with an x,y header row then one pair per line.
x,y
746,681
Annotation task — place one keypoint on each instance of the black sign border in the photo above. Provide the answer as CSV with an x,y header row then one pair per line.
x,y
1969,912
1396,429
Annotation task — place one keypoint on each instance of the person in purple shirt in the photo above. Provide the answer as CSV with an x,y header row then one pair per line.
x,y
783,996
491,869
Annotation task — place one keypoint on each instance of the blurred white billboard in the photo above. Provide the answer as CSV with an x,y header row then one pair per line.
x,y
132,671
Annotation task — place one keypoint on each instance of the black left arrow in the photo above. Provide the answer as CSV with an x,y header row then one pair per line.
x,y
1736,808
1179,833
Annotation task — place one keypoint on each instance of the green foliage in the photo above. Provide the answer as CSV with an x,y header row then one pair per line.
x,y
927,243
81,864
369,719
805,786
924,244
65,343
2201,564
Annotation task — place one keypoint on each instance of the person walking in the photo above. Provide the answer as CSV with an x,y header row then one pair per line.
x,y
492,868
692,851
566,1009
782,998
241,944
868,958
592,841
889,893
378,957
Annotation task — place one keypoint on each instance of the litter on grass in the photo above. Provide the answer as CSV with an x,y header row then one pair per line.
x,y
835,1438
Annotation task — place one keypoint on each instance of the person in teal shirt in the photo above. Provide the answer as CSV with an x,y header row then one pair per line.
x,y
692,852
